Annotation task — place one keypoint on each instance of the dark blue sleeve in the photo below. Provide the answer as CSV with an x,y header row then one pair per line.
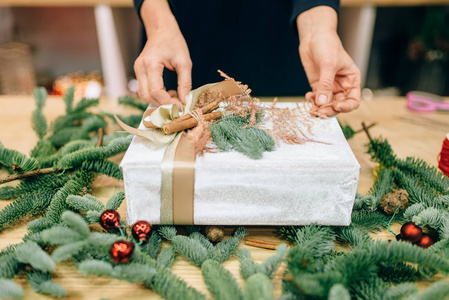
x,y
137,6
299,6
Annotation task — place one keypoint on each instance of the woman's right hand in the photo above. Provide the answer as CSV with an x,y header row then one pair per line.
x,y
165,48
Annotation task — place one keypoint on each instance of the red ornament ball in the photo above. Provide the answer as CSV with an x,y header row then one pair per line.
x,y
110,219
141,231
411,233
121,251
426,241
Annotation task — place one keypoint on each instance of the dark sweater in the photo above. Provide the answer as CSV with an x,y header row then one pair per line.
x,y
253,41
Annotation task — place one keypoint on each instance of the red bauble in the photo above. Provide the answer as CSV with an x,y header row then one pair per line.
x,y
426,241
410,232
121,251
110,219
141,231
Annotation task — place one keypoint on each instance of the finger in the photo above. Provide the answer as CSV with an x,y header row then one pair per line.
x,y
310,97
142,85
161,96
184,71
327,111
325,85
173,93
347,105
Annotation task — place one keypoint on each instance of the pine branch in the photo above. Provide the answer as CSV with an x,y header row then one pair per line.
x,y
68,251
25,205
41,283
74,186
9,266
10,290
248,267
133,102
31,253
79,203
220,282
68,97
43,149
115,201
95,267
167,257
258,287
271,264
105,167
85,103
319,239
17,162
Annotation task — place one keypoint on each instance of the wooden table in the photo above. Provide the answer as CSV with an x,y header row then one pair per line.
x,y
410,134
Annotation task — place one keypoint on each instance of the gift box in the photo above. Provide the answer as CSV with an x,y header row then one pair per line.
x,y
298,184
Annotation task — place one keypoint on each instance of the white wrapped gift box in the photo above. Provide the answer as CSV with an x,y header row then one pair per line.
x,y
293,185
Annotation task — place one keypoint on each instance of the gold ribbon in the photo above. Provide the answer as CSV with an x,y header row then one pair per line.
x,y
178,164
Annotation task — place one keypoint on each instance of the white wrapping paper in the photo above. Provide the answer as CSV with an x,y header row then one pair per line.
x,y
293,185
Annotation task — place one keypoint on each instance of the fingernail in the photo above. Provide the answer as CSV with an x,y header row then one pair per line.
x,y
337,108
322,99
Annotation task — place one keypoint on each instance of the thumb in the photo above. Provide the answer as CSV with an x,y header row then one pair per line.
x,y
325,86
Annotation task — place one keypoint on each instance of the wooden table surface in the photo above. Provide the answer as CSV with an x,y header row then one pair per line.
x,y
410,134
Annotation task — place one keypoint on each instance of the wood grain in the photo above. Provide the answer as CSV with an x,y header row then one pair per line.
x,y
410,134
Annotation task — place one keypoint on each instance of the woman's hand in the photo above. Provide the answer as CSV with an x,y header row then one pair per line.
x,y
333,76
165,48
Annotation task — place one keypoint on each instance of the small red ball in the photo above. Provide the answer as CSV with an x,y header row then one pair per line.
x,y
426,241
121,251
110,219
410,232
141,231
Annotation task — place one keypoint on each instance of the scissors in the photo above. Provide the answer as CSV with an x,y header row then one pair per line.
x,y
426,102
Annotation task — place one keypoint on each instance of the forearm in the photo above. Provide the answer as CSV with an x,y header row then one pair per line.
x,y
157,17
317,20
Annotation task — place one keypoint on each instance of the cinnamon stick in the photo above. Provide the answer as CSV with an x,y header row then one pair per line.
x,y
176,126
250,241
204,110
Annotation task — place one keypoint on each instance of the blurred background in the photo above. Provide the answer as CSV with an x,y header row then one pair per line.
x,y
399,46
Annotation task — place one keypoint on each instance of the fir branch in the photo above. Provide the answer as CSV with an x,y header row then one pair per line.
x,y
9,266
39,224
353,235
431,217
39,123
152,247
371,289
381,152
167,257
372,221
25,205
85,103
191,249
61,235
248,267
400,291
382,186
68,98
93,216
84,203
40,97
41,283
74,186
271,264
319,239
7,192
115,201
134,272
167,232
398,272
133,102
67,251
75,222
95,267
258,287
339,292
43,149
31,253
170,287
436,291
417,192
10,290
78,157
426,173
219,281
227,248
203,240
15,161
106,167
